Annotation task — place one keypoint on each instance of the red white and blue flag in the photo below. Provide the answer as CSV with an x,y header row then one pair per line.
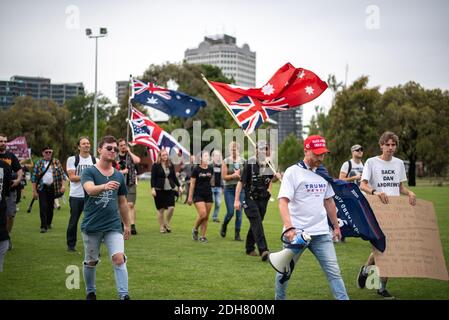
x,y
288,88
173,103
146,132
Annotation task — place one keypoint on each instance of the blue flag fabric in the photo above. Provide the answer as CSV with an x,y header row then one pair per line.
x,y
356,218
173,103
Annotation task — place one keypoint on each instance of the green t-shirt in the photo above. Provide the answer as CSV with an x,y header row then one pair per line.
x,y
101,212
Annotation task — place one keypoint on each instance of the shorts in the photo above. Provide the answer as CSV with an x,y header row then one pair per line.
x,y
203,198
11,206
164,199
132,194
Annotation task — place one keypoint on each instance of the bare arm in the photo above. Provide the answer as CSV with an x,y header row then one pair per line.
x,y
123,207
16,182
331,211
192,187
94,190
411,195
238,189
364,186
135,158
72,176
343,174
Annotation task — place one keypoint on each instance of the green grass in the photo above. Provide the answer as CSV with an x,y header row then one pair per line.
x,y
172,266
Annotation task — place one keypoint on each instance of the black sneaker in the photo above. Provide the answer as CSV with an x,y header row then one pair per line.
x,y
195,234
91,296
361,278
71,249
203,240
223,231
385,294
125,298
43,230
133,229
10,245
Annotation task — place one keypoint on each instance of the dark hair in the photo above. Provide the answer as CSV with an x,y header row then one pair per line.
x,y
3,135
387,135
81,138
46,148
106,139
120,140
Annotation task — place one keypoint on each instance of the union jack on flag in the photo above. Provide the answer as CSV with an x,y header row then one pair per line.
x,y
250,112
140,87
149,134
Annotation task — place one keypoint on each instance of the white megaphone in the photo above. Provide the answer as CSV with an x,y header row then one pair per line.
x,y
280,260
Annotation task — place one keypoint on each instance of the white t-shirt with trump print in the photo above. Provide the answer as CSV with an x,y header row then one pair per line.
x,y
306,191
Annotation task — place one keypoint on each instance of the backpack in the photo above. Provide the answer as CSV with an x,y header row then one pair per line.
x,y
349,168
77,160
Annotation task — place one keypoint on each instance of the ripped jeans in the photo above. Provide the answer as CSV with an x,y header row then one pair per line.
x,y
115,243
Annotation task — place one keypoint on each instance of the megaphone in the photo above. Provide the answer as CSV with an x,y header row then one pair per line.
x,y
280,260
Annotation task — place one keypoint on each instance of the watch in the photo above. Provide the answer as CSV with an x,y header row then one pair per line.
x,y
374,190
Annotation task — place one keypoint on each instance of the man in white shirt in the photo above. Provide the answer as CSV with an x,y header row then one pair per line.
x,y
75,165
384,176
351,170
305,203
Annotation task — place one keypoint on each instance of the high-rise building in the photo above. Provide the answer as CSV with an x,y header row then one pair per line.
x,y
37,88
288,122
121,90
223,52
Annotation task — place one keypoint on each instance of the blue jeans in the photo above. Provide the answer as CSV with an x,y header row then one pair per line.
x,y
323,249
229,195
115,243
216,192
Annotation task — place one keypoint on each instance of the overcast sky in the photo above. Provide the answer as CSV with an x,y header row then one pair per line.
x,y
390,41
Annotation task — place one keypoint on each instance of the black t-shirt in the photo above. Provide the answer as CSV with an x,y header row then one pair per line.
x,y
203,180
11,160
5,182
217,176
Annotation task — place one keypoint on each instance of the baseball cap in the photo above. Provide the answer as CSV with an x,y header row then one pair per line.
x,y
356,147
317,144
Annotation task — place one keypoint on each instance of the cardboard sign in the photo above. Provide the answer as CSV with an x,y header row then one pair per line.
x,y
413,239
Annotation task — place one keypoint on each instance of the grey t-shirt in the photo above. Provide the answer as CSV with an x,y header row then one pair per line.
x,y
232,166
101,212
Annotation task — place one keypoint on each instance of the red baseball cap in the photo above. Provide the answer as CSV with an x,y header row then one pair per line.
x,y
317,144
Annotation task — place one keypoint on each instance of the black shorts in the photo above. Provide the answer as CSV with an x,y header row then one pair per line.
x,y
203,198
164,199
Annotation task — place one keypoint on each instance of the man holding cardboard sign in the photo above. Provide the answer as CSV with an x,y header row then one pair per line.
x,y
384,176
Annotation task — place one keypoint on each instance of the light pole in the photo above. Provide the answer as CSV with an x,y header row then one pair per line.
x,y
103,33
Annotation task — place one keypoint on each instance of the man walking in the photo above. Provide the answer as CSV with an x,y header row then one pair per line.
x,y
16,175
305,203
48,180
75,165
105,198
256,180
127,162
384,176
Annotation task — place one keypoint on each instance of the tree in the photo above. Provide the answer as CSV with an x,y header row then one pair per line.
x,y
290,151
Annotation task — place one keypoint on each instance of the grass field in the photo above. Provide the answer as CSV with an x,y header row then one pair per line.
x,y
173,266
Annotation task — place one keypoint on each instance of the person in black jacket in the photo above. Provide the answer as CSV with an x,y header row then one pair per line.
x,y
164,184
5,181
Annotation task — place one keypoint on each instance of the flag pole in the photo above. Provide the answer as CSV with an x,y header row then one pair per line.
x,y
129,109
225,104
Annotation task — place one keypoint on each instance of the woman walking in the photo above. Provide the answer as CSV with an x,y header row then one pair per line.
x,y
201,195
164,184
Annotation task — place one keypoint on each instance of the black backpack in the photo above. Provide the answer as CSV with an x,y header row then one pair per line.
x,y
77,160
349,168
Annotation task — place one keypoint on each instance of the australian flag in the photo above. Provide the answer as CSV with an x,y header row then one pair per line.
x,y
173,103
149,134
355,216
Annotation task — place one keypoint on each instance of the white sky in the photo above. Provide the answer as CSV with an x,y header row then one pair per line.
x,y
47,38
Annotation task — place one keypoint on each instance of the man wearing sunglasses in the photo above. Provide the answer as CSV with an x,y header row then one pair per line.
x,y
105,211
48,180
351,170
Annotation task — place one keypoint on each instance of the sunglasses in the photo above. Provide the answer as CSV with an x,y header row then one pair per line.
x,y
110,148
48,152
359,150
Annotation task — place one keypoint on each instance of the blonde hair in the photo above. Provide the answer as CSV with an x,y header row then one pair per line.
x,y
159,157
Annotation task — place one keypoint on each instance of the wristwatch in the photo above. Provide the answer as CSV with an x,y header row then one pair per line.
x,y
374,190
